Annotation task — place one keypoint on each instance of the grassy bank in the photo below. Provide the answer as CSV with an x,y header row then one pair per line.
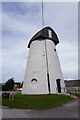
x,y
36,101
76,94
0,100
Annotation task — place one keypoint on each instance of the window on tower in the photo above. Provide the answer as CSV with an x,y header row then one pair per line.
x,y
55,50
34,81
50,33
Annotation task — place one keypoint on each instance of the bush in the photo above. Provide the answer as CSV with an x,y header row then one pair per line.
x,y
9,85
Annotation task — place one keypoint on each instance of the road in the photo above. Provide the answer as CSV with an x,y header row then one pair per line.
x,y
68,110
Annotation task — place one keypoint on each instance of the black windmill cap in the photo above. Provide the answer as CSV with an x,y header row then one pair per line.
x,y
44,34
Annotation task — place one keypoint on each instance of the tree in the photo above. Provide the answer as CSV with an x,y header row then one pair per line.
x,y
9,85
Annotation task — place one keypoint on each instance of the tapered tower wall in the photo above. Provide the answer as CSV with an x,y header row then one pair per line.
x,y
36,68
54,67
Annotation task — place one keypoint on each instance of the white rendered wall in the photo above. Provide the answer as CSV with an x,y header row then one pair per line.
x,y
37,68
53,66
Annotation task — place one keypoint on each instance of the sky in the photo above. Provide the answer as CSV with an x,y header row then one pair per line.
x,y
21,20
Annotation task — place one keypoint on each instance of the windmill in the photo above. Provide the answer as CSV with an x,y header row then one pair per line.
x,y
43,73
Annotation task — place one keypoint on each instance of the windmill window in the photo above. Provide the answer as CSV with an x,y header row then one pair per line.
x,y
50,33
55,50
34,81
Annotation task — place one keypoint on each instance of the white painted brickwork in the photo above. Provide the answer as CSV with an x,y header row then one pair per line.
x,y
37,68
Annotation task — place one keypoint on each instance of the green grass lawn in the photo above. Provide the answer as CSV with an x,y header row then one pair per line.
x,y
76,94
36,101
0,100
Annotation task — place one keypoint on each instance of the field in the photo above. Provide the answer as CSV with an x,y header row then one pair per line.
x,y
36,101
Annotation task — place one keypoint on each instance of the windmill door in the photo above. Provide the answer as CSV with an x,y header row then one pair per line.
x,y
58,85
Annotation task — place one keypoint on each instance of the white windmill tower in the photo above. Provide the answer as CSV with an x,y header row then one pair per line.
x,y
43,73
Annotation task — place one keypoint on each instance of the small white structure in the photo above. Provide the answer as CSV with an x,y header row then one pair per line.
x,y
43,73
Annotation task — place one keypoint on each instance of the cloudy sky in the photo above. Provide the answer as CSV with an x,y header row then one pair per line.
x,y
20,21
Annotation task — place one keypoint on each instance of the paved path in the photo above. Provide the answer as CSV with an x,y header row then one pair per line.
x,y
68,110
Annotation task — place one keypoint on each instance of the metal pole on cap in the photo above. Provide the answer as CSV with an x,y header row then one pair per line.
x,y
42,15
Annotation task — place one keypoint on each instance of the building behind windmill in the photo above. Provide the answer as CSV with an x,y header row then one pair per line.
x,y
43,73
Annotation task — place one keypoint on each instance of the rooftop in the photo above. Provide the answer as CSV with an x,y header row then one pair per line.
x,y
45,33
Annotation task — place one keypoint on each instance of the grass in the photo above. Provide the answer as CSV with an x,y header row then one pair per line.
x,y
74,90
76,94
0,100
36,101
